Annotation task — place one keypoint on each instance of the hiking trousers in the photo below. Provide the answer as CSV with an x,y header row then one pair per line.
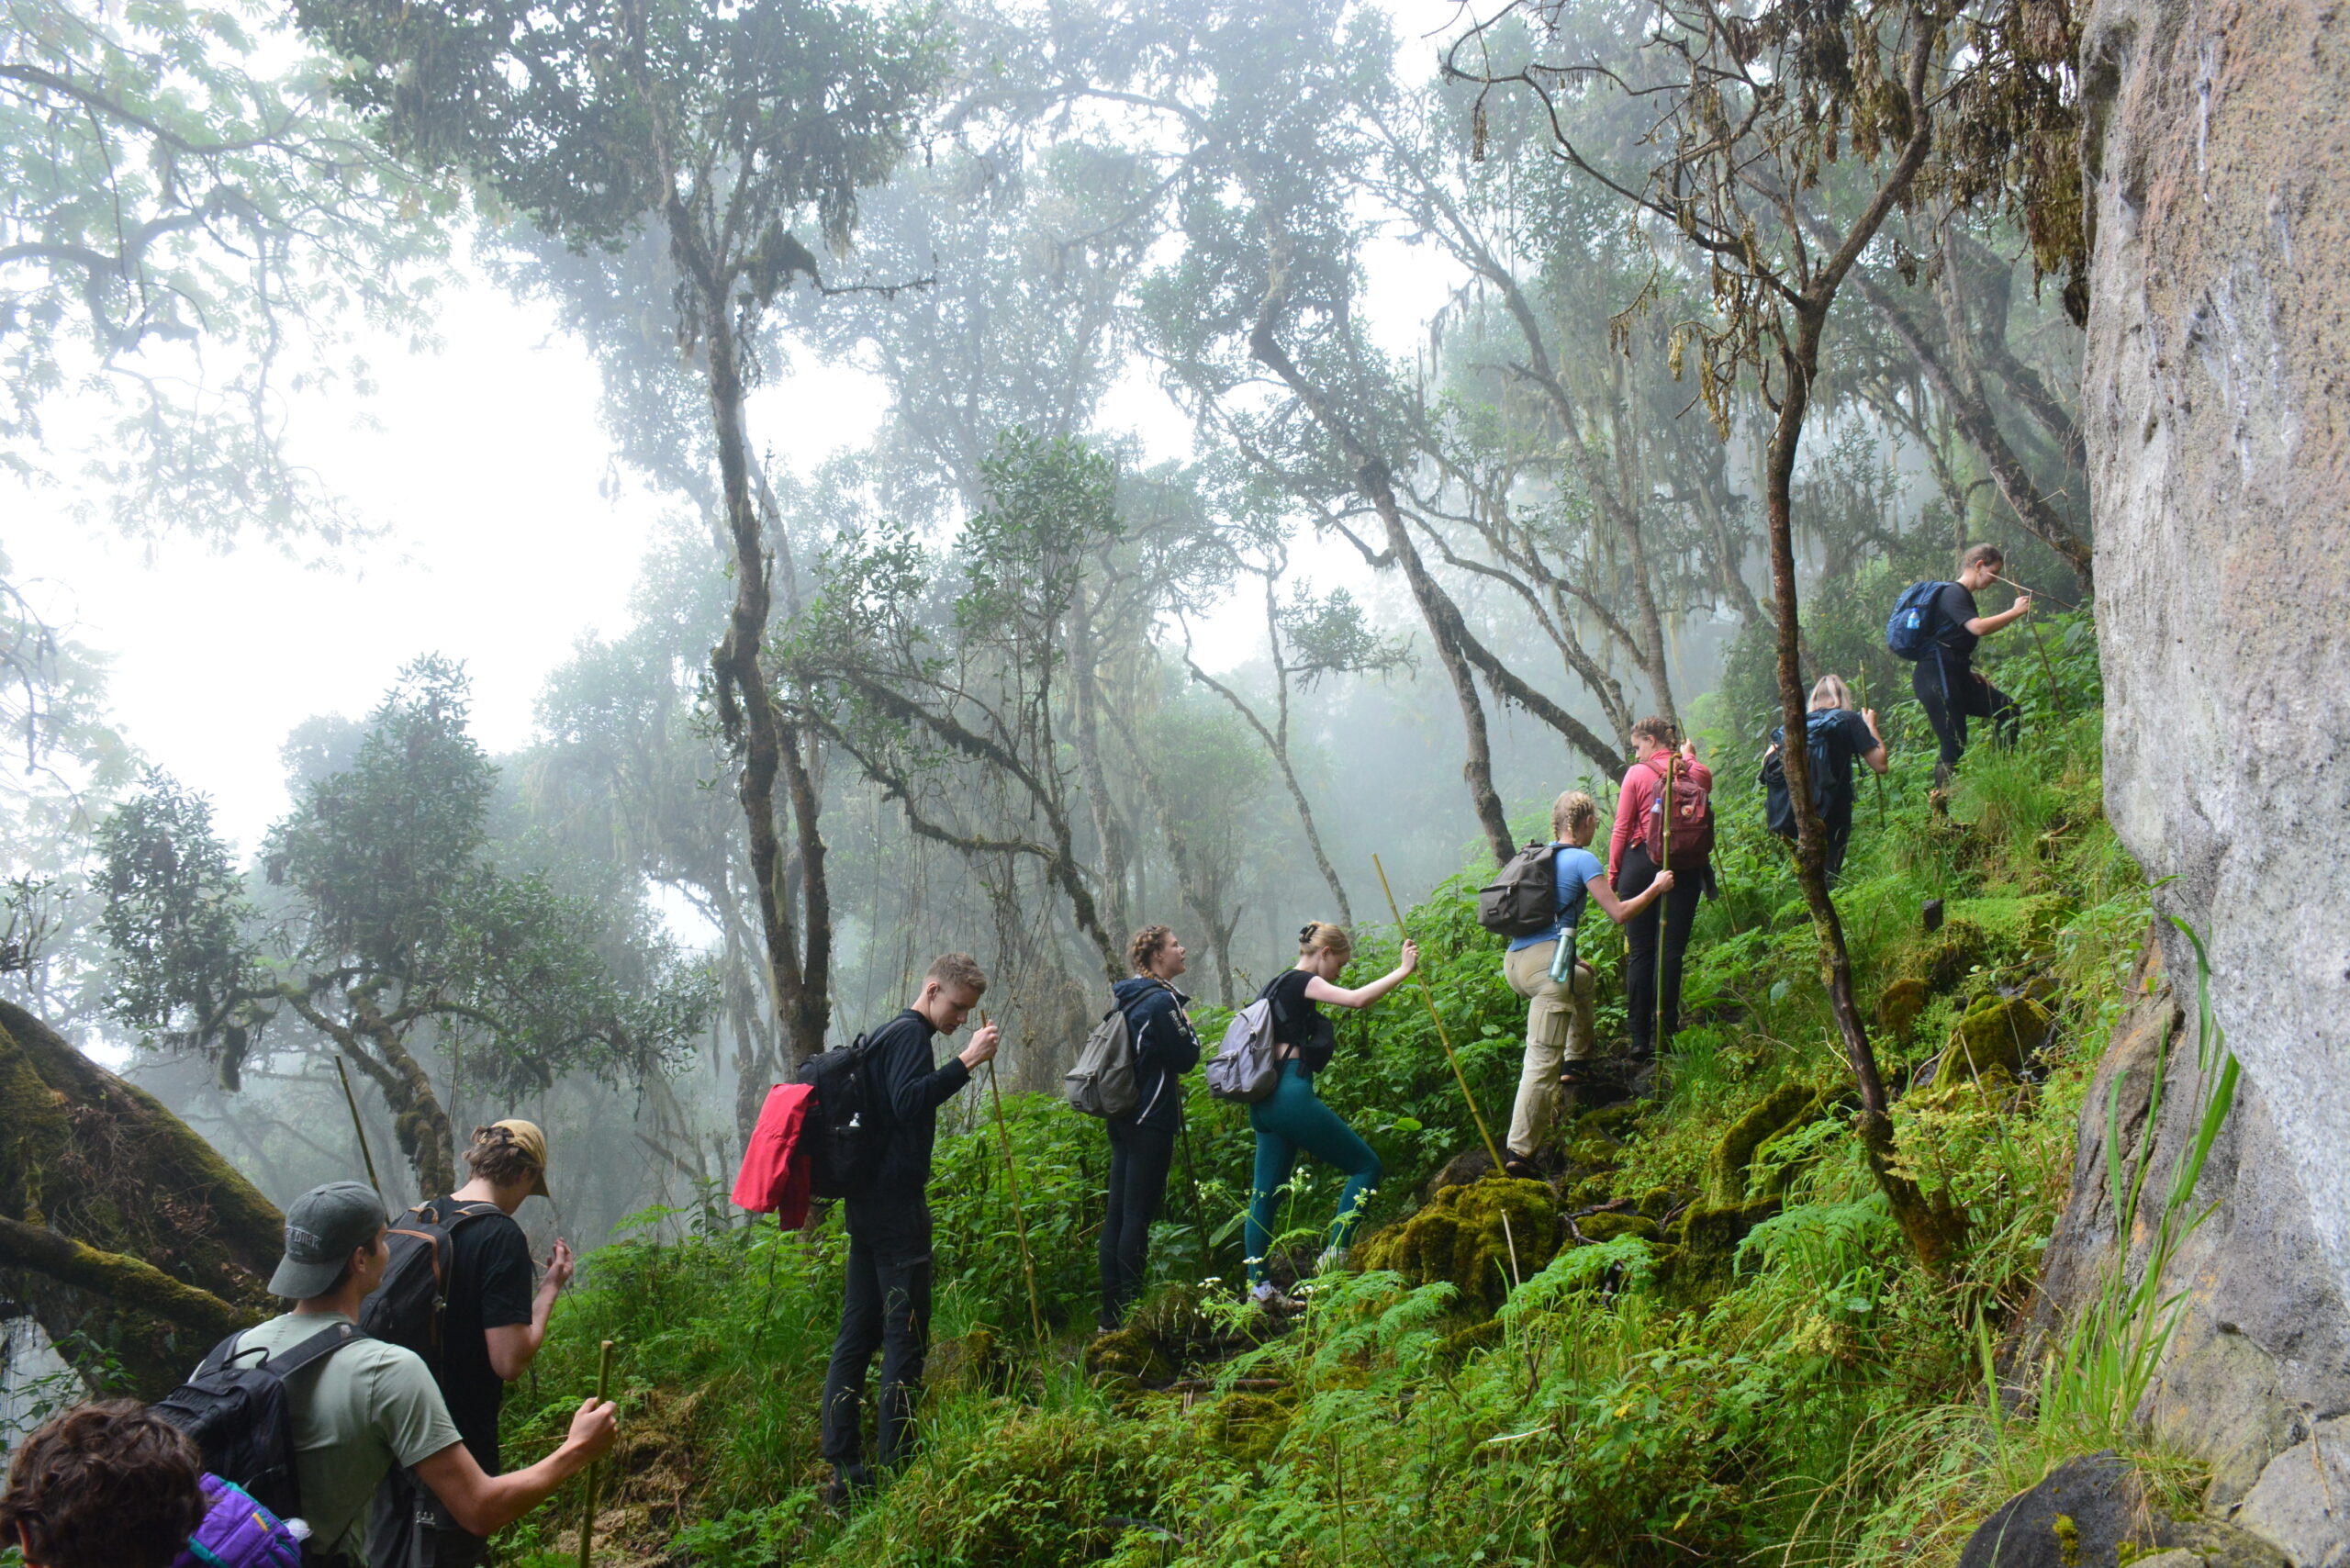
x,y
1290,1120
1558,1029
1644,964
1140,1157
1951,697
885,1305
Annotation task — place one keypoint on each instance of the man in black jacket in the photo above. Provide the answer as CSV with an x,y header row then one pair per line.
x,y
885,1302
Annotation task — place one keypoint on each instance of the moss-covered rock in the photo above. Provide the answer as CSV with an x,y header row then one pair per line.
x,y
1999,1033
1789,1105
968,1362
1129,1352
1898,1004
1465,1239
1247,1426
1960,947
1706,1244
1462,1343
1608,1226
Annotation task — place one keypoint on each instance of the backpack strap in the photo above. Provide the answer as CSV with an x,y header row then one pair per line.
x,y
317,1348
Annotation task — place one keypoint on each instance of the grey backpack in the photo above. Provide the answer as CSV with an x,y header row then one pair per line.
x,y
1244,1069
1103,1082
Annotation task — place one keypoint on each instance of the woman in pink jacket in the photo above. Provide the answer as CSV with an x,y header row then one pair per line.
x,y
1631,868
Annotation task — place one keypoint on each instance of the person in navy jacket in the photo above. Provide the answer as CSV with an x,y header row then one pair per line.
x,y
1142,1142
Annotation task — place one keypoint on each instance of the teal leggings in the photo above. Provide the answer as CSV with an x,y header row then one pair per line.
x,y
1290,1119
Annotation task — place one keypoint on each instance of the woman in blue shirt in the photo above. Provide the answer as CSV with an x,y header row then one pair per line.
x,y
1557,985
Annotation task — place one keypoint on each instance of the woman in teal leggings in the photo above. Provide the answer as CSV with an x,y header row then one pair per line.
x,y
1292,1118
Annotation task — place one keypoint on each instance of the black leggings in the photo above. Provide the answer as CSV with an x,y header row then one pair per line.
x,y
1679,912
1140,1157
1970,696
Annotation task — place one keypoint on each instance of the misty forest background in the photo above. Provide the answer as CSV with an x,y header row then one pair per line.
x,y
998,678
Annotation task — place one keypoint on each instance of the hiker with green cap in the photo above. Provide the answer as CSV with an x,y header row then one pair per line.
x,y
472,1315
363,1407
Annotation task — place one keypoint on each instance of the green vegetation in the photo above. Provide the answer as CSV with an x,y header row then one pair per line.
x,y
1736,1352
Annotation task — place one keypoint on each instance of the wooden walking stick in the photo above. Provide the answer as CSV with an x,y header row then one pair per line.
x,y
587,1511
1492,1152
353,1101
1861,680
1019,1217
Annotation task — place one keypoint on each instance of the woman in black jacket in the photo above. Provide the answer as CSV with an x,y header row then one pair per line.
x,y
1142,1142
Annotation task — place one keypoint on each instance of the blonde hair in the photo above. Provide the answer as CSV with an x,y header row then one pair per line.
x,y
1570,810
1325,937
1829,691
958,971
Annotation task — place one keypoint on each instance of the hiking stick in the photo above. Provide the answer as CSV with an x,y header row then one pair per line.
x,y
587,1512
2047,667
1860,683
1011,1180
351,1100
1191,1169
1493,1152
2033,592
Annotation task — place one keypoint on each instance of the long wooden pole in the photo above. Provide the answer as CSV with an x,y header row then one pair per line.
x,y
1019,1216
1861,680
587,1510
1663,905
353,1101
1492,1150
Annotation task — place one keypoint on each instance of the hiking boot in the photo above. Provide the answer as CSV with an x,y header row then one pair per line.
x,y
849,1486
1521,1167
1268,1296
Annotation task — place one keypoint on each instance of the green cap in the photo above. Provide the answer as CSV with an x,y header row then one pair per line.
x,y
323,1227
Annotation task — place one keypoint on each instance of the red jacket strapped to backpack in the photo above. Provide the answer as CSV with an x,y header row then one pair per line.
x,y
775,1170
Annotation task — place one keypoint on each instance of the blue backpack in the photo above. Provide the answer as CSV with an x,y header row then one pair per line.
x,y
1916,624
1778,806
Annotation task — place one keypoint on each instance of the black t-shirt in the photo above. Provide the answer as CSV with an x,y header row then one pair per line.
x,y
489,1287
1297,1022
1953,607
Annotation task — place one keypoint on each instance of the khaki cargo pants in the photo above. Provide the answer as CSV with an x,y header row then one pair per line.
x,y
1558,1029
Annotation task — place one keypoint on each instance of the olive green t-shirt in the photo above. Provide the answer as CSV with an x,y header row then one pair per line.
x,y
362,1410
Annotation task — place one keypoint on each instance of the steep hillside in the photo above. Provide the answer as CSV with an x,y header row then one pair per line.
x,y
1703,1336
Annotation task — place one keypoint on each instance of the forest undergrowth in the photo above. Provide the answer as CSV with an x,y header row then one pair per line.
x,y
1702,1338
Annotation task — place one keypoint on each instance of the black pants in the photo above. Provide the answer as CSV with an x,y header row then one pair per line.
x,y
1140,1157
1969,696
1677,910
1839,838
885,1306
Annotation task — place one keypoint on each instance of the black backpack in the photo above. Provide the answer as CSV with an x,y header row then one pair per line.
x,y
842,1133
1524,898
1778,806
408,1308
241,1414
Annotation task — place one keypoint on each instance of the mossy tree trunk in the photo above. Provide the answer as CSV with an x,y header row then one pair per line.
x,y
123,1233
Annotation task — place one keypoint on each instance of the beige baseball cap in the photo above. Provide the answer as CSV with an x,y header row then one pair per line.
x,y
533,1143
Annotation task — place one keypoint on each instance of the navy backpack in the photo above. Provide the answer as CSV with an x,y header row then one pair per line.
x,y
1778,806
1915,625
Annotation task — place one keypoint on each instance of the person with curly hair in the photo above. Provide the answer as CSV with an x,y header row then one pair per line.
x,y
106,1485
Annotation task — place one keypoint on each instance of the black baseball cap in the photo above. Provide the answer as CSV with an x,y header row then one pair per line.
x,y
323,1227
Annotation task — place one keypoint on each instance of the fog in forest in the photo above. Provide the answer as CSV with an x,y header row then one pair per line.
x,y
553,635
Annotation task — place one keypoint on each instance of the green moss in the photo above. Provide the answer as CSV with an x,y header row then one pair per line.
x,y
1726,1170
1706,1244
1462,1343
1608,1226
1960,946
1130,1352
1997,1033
1247,1426
1898,1006
1462,1238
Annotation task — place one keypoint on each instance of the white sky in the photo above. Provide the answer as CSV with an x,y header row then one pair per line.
x,y
509,537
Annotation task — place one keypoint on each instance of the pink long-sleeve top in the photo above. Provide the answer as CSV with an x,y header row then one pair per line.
x,y
1643,780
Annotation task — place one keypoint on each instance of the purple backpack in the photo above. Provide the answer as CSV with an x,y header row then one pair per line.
x,y
238,1532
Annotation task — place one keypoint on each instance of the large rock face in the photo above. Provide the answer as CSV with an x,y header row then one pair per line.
x,y
2217,406
2219,417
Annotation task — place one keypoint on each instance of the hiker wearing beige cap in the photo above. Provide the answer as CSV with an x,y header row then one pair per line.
x,y
491,1325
